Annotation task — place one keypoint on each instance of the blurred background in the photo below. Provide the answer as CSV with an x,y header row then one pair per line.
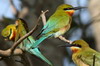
x,y
85,25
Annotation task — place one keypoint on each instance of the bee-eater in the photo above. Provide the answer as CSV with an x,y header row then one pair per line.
x,y
58,23
20,28
83,55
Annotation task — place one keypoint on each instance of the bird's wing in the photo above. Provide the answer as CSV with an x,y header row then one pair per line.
x,y
55,23
88,56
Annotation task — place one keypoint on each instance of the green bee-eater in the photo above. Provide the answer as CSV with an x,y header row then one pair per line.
x,y
58,23
83,55
20,29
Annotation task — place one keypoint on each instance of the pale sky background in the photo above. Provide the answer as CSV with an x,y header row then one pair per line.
x,y
5,9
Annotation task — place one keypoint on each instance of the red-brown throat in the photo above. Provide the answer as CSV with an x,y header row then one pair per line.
x,y
75,49
70,12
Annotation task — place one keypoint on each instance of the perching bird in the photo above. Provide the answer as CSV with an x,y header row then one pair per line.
x,y
83,55
58,23
20,29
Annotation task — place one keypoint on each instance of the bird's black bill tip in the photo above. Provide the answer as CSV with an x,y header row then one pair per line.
x,y
78,8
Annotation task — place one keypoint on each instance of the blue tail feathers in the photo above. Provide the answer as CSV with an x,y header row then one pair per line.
x,y
36,52
40,40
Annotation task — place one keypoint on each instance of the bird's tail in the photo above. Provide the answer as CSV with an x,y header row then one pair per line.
x,y
40,40
37,53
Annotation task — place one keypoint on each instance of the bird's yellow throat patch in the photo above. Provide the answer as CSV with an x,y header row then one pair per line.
x,y
70,12
75,49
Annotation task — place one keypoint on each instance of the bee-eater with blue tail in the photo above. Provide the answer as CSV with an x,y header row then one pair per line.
x,y
58,23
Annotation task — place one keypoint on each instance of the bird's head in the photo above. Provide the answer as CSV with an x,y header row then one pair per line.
x,y
9,32
68,8
77,45
22,23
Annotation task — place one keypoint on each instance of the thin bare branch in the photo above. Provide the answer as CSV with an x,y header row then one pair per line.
x,y
6,53
43,16
64,39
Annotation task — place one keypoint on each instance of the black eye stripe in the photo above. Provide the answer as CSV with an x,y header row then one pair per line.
x,y
74,8
68,8
77,45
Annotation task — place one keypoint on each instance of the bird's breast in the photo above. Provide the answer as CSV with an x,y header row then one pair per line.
x,y
62,31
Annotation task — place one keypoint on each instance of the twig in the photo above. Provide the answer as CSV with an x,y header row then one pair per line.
x,y
6,53
43,16
93,59
64,39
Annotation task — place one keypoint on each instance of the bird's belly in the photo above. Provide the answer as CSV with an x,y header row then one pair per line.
x,y
61,31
